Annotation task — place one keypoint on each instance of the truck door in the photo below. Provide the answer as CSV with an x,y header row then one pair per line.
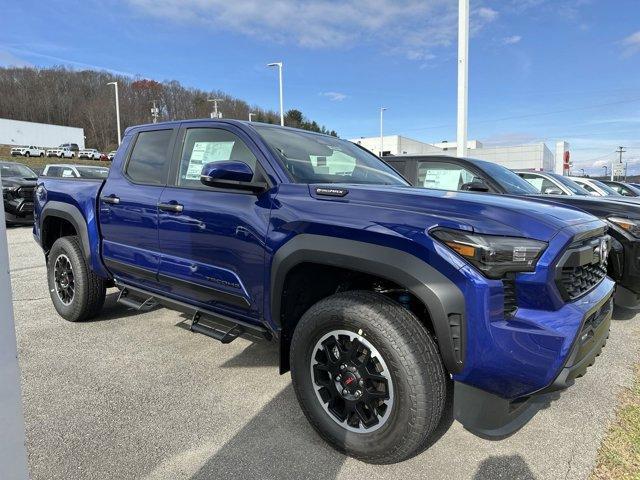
x,y
129,211
212,240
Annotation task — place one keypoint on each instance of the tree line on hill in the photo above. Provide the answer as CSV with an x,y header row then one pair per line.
x,y
61,96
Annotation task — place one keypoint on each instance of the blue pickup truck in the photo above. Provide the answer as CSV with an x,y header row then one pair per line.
x,y
384,298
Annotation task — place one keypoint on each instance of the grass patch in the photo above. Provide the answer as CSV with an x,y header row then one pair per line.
x,y
619,456
37,164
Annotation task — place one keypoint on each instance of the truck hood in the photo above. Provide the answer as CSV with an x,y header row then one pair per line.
x,y
18,182
601,207
480,212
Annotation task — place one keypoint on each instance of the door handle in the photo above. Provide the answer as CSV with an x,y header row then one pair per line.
x,y
112,199
171,207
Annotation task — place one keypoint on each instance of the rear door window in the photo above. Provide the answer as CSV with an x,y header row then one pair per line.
x,y
149,160
541,184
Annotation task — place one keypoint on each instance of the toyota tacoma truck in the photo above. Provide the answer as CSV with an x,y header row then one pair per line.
x,y
384,298
622,214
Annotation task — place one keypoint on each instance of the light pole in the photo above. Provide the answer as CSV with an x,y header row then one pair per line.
x,y
13,454
279,65
215,113
605,171
251,114
115,84
155,112
382,109
582,169
463,76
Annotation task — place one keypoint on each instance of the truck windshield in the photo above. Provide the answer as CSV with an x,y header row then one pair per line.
x,y
93,172
509,181
16,170
314,158
570,184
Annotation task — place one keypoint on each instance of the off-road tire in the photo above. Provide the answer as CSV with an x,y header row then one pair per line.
x,y
415,365
90,290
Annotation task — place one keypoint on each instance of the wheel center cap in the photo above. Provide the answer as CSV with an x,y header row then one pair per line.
x,y
349,381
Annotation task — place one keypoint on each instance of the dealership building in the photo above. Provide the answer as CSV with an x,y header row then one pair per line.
x,y
535,156
16,132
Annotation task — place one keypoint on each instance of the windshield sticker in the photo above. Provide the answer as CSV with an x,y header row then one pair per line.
x,y
206,152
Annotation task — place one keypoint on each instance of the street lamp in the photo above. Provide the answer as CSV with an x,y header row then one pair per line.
x,y
382,109
251,114
115,84
582,171
605,171
279,65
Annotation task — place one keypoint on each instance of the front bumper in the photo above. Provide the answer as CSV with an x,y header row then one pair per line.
x,y
490,415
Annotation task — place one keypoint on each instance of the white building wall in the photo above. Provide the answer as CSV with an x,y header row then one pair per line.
x,y
396,145
16,132
530,156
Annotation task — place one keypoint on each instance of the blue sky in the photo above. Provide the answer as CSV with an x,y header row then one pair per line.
x,y
539,70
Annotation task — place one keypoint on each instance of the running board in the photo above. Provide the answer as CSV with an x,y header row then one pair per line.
x,y
212,324
129,300
222,336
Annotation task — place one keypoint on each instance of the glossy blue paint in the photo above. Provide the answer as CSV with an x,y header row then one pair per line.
x,y
231,170
218,252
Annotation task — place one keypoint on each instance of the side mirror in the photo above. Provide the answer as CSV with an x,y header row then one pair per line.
x,y
230,174
553,191
475,186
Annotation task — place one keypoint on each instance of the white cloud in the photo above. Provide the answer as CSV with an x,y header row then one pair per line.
x,y
631,44
334,96
409,27
512,40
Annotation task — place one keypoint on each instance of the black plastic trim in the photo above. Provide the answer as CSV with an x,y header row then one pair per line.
x,y
442,297
72,215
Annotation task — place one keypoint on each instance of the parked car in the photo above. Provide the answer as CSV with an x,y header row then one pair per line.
x,y
104,157
60,152
89,153
620,213
378,293
18,183
111,154
595,187
28,151
71,146
624,189
75,171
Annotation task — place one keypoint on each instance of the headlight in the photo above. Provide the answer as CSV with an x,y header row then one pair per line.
x,y
629,226
493,255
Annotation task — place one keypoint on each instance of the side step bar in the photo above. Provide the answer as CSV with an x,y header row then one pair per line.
x,y
125,298
211,324
223,336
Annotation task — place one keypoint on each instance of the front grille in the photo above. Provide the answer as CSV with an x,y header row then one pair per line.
x,y
582,267
510,300
26,193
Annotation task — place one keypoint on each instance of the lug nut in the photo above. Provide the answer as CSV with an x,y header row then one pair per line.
x,y
338,378
361,383
345,392
358,393
343,367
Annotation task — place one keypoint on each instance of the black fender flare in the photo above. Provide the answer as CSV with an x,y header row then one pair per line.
x,y
443,299
73,215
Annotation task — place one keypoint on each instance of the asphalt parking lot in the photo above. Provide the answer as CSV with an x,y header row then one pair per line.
x,y
133,395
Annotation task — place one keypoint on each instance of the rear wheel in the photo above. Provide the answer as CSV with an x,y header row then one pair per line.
x,y
77,293
27,154
368,376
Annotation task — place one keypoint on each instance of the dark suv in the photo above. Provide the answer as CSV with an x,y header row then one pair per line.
x,y
18,184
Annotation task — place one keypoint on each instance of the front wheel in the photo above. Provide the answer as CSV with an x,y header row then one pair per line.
x,y
27,154
368,376
77,293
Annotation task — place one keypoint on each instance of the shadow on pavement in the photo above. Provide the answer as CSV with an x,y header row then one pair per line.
x,y
256,354
621,314
512,467
274,445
